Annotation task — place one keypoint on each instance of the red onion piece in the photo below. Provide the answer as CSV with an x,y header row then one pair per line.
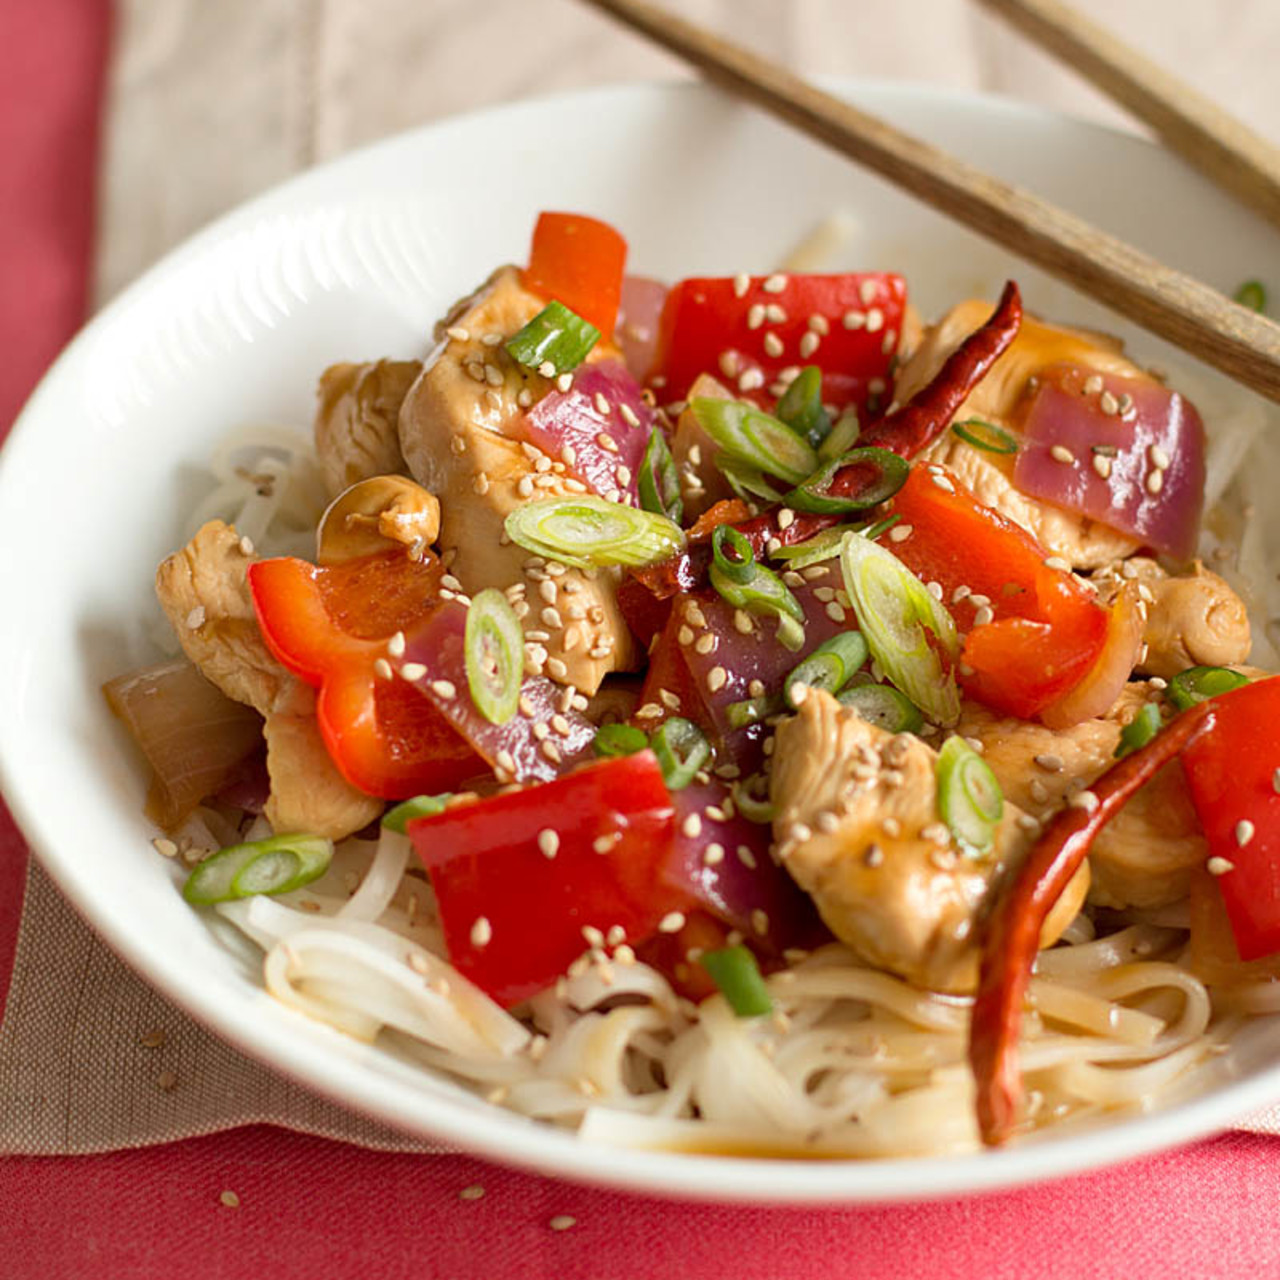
x,y
638,316
1152,425
438,646
601,443
738,882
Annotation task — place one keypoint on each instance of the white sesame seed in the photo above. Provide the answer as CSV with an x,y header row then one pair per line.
x,y
592,936
751,380
713,855
444,689
773,345
167,848
548,842
853,320
458,334
1102,465
1093,384
741,283
1056,562
1049,762
481,932
776,283
943,483
692,826
717,677
760,921
382,669
706,643
875,320
901,532
1109,404
1155,481
983,616
1159,458
835,612
808,344
629,415
1060,453
1244,832
755,315
1085,800
562,1222
1219,866
672,922
412,671
195,619
471,1193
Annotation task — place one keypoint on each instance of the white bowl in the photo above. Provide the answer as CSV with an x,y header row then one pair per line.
x,y
356,260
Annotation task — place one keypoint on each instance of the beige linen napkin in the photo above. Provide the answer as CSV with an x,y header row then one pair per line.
x,y
210,104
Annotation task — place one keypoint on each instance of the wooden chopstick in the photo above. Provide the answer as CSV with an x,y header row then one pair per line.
x,y
1208,137
1178,308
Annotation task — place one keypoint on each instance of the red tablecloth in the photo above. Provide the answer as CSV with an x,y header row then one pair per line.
x,y
311,1208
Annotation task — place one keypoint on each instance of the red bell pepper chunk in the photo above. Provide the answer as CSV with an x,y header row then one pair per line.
x,y
329,626
513,916
853,322
579,261
1046,631
1231,771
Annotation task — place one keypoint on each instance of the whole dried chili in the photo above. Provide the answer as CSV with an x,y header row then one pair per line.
x,y
1013,932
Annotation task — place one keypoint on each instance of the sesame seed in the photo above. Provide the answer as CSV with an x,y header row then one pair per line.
x,y
717,677
629,415
853,320
760,921
1085,800
562,1222
742,622
602,844
672,922
1159,458
548,842
195,619
413,671
1219,866
592,936
706,643
1102,465
1093,384
1109,404
752,379
1060,453
773,345
481,484
776,283
395,646
1155,481
786,518
1048,761
835,612
983,616
444,689
1244,832
167,848
901,532
474,1192
943,483
550,750
755,315
874,856
230,1199
458,334
382,669
692,826
741,283
481,932
875,320
775,314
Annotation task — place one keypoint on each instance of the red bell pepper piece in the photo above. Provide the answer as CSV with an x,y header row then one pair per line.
x,y
513,916
329,626
1231,773
1046,629
715,326
579,261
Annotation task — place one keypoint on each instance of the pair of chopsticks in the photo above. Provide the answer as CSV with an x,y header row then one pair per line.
x,y
1173,305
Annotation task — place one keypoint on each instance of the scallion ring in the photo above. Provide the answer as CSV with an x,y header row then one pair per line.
x,y
493,648
751,806
659,481
1252,294
278,864
732,554
682,749
830,666
585,531
801,406
746,482
969,797
822,546
752,710
1197,684
1140,730
398,818
985,436
844,435
757,438
891,473
883,706
747,584
556,335
619,740
735,971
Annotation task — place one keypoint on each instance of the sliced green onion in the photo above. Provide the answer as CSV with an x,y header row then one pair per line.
x,y
1252,294
830,666
1197,684
873,531
398,819
844,435
658,481
801,406
555,334
986,436
883,706
1140,730
822,546
969,798
682,749
619,740
746,482
277,864
752,436
493,647
589,531
752,710
746,584
812,495
751,806
735,972
897,615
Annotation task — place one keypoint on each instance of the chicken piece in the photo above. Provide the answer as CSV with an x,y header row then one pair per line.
x,y
453,433
357,420
857,826
1082,542
1143,857
1194,619
204,591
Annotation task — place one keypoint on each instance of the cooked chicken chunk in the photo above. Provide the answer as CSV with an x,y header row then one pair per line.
x,y
357,416
857,826
1082,542
204,591
1144,856
1194,619
453,434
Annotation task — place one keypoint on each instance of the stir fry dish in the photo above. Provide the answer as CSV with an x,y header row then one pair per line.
x,y
734,716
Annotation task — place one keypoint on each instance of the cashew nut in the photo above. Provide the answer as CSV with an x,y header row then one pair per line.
x,y
377,514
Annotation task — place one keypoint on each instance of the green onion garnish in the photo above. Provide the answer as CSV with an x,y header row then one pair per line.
x,y
801,407
735,972
751,806
746,482
752,436
830,666
277,864
619,740
682,749
822,546
752,710
844,435
891,475
746,584
555,335
986,436
969,798
588,531
493,647
873,531
658,481
883,706
1252,294
1196,684
1140,730
897,615
398,819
